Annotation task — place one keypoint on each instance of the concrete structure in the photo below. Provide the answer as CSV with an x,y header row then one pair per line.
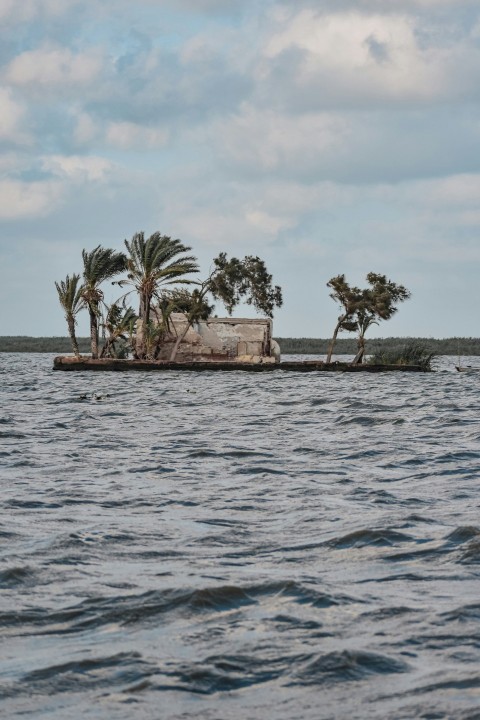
x,y
223,339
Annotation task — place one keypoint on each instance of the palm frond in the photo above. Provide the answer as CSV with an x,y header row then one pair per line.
x,y
70,294
101,264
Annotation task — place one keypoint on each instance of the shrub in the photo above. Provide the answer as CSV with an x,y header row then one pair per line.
x,y
410,354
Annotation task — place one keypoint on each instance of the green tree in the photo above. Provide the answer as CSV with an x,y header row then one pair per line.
x,y
379,302
99,265
153,263
350,299
231,281
248,280
193,305
71,300
120,325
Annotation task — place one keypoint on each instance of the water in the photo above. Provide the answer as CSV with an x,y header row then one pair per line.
x,y
239,545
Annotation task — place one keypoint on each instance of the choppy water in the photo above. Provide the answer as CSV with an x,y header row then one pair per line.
x,y
238,545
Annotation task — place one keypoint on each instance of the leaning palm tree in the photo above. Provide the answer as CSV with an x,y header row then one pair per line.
x,y
120,323
154,262
98,265
71,300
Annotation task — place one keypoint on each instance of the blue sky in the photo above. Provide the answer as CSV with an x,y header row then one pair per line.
x,y
326,136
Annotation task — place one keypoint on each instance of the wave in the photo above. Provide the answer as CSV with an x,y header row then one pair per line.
x,y
370,537
80,675
13,576
346,665
314,537
152,606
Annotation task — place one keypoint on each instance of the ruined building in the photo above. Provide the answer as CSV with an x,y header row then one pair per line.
x,y
223,339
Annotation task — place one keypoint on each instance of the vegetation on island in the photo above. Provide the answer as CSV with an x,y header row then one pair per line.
x,y
348,346
454,346
162,273
159,270
99,265
70,295
363,307
412,353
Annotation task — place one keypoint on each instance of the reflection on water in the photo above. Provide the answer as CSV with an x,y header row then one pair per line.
x,y
238,545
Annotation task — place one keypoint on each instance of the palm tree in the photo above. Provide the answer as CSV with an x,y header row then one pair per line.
x,y
98,265
120,323
157,261
71,300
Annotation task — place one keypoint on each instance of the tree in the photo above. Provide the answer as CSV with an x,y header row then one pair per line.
x,y
152,263
362,308
349,299
71,300
378,303
99,265
120,324
194,306
230,281
235,280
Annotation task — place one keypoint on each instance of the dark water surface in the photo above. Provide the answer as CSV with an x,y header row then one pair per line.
x,y
238,546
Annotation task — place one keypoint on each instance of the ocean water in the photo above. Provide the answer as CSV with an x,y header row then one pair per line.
x,y
239,546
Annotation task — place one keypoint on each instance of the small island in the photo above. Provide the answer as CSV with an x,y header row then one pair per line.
x,y
175,327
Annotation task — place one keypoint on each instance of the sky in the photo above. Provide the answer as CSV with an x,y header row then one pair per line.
x,y
325,136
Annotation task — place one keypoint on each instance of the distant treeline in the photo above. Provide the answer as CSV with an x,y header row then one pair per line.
x,y
289,346
23,343
348,346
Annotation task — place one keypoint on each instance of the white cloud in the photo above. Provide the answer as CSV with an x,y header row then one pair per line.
x,y
456,190
18,11
12,116
79,168
127,135
50,66
209,226
200,6
28,199
268,222
273,141
354,56
85,128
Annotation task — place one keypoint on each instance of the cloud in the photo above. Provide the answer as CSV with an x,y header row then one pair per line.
x,y
12,118
85,130
268,222
455,190
62,175
197,6
53,67
276,142
127,135
314,59
392,6
78,168
20,200
17,12
324,135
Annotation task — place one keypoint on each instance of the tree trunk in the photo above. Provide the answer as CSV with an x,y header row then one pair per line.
x,y
73,337
94,333
106,348
334,339
179,339
144,317
358,359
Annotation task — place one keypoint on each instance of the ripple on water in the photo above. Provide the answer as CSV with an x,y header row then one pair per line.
x,y
172,540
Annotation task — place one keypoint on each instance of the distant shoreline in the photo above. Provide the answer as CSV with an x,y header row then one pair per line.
x,y
289,346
